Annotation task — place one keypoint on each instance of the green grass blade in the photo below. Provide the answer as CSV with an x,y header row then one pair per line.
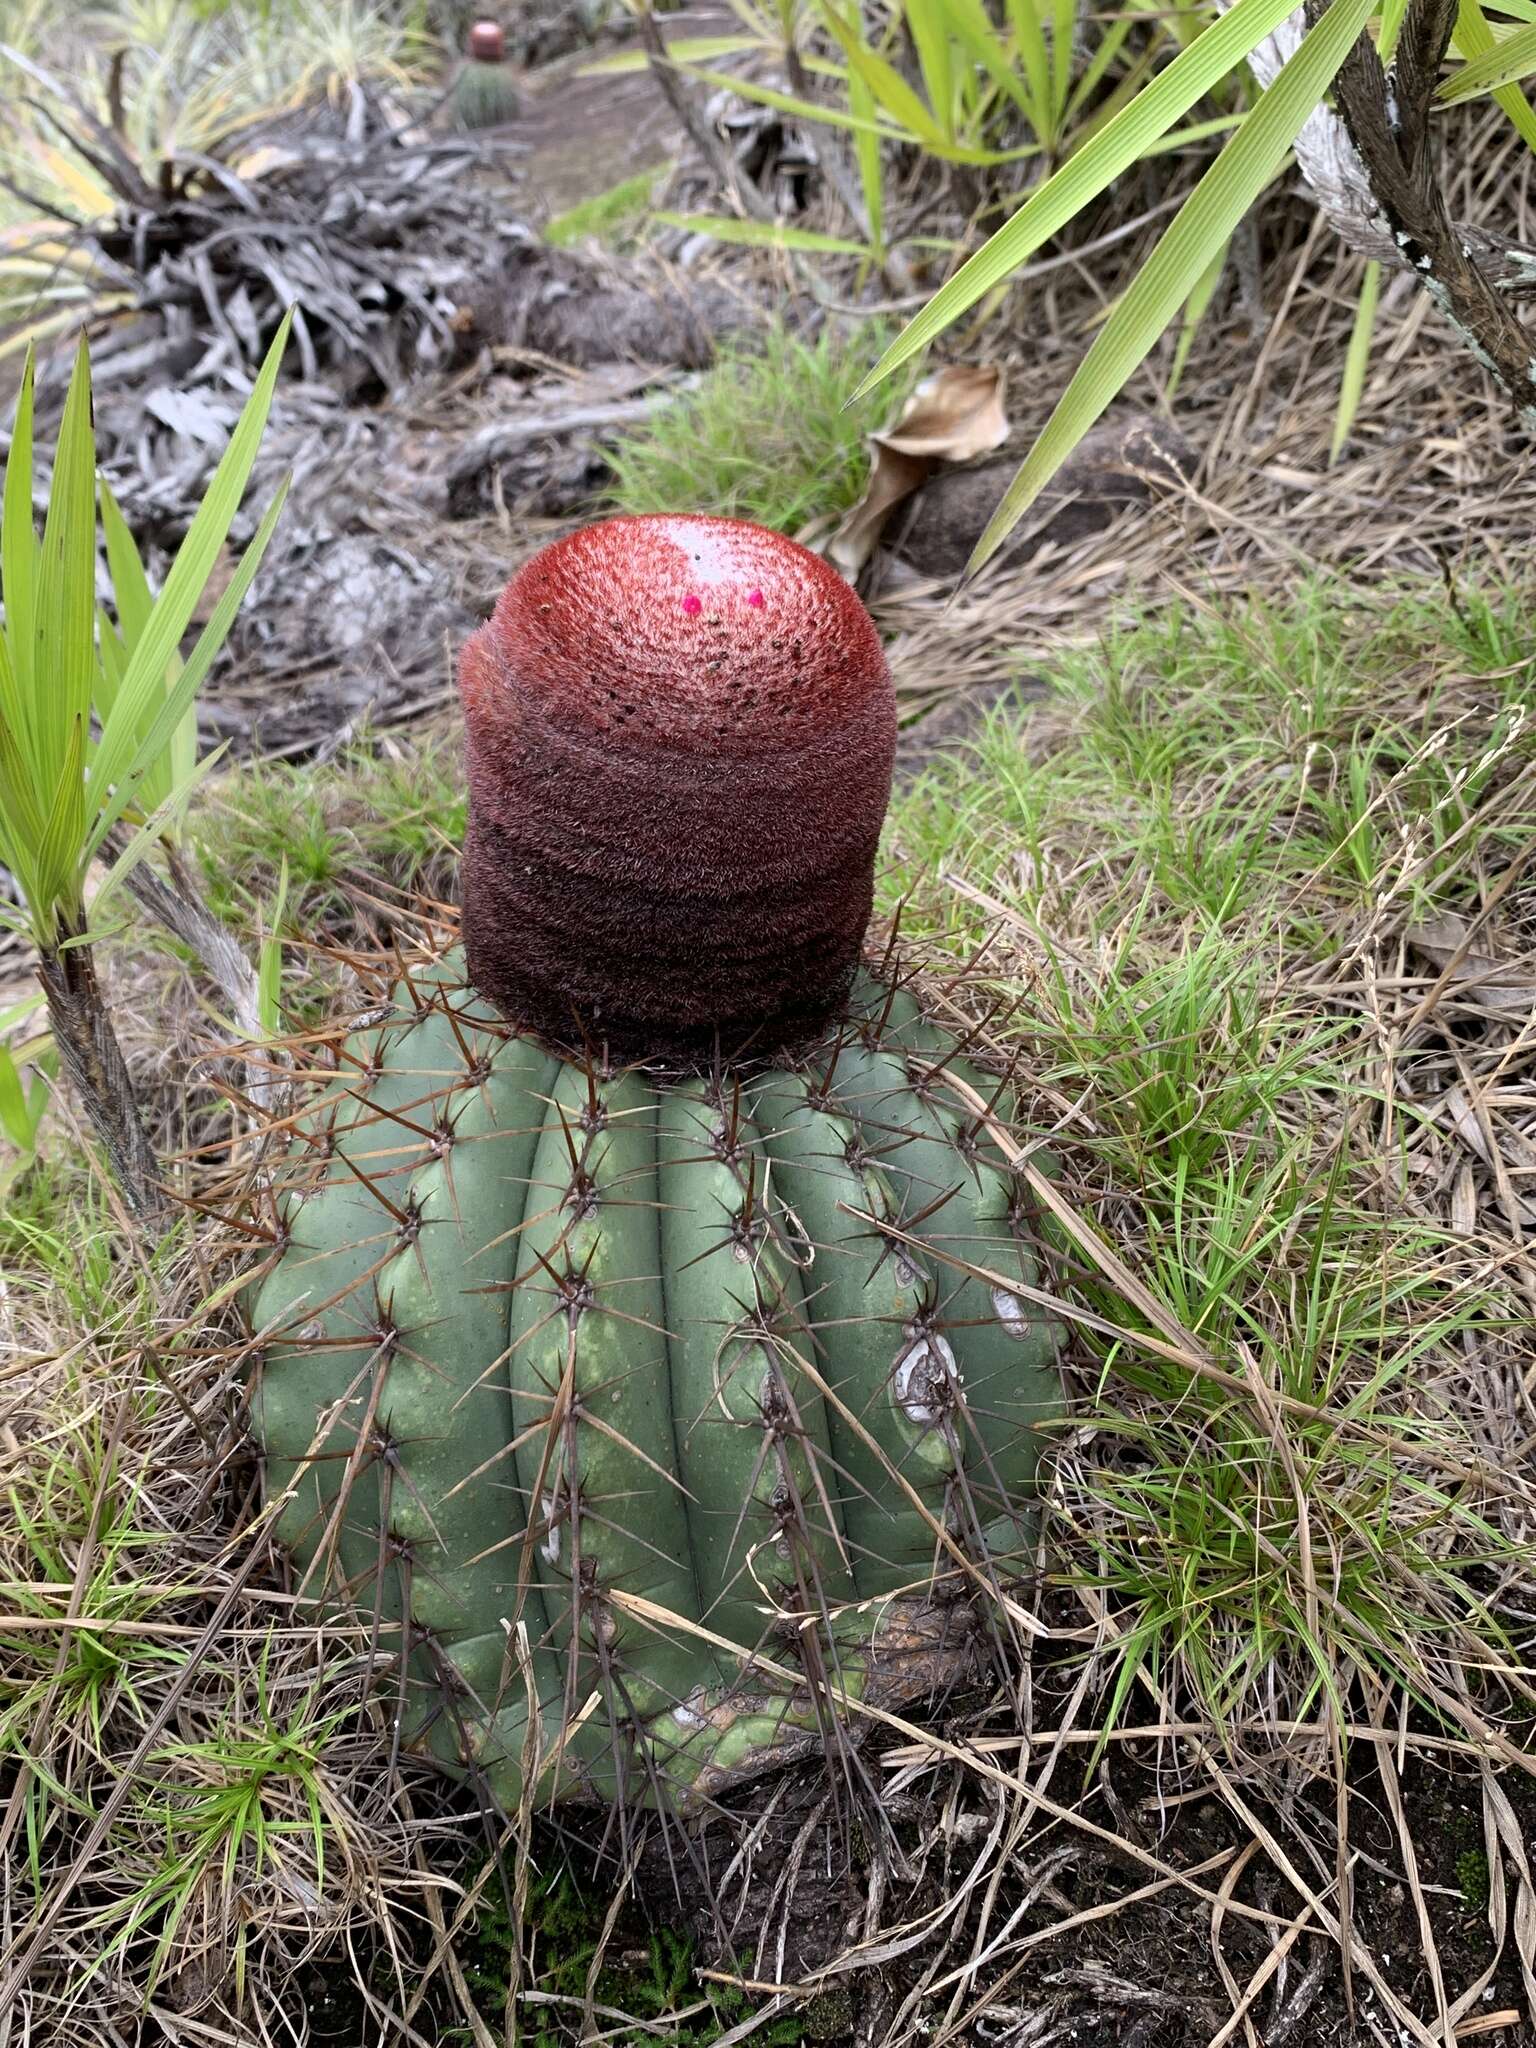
x,y
1502,63
64,658
607,216
1393,15
21,1108
1063,25
1125,91
866,150
809,110
1357,361
179,700
1105,51
45,1066
760,234
21,822
14,732
269,965
114,662
930,37
1197,131
1195,309
686,50
17,1013
1204,222
1029,40
18,547
135,603
144,683
60,871
802,110
152,830
181,750
976,34
131,593
1474,40
886,84
14,1119
1215,52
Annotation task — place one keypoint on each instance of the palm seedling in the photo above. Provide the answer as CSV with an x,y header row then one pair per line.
x,y
98,750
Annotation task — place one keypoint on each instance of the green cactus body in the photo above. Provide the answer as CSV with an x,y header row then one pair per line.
x,y
484,95
674,1381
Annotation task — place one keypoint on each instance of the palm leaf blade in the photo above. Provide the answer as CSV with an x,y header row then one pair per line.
x,y
1214,53
1175,267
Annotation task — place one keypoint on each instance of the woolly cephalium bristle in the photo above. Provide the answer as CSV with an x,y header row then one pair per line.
x,y
680,738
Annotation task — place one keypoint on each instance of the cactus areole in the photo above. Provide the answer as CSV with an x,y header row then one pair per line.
x,y
648,1354
680,743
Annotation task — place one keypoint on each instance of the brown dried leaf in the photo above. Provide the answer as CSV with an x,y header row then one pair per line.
x,y
1464,1201
893,477
1457,1113
952,416
1505,984
1505,1843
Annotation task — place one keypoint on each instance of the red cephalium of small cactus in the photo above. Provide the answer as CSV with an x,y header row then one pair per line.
x,y
680,737
487,43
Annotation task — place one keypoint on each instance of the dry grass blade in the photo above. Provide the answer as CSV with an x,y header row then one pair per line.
x,y
32,1936
937,1745
1507,1843
1391,1784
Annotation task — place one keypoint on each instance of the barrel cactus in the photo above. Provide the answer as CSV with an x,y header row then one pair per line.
x,y
484,94
649,1352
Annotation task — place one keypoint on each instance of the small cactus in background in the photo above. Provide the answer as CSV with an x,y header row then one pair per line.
x,y
483,93
648,1353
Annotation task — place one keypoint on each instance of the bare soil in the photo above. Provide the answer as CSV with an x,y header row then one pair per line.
x,y
822,1881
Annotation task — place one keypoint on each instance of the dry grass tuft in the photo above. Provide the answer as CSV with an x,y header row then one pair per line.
x,y
1254,885
193,1807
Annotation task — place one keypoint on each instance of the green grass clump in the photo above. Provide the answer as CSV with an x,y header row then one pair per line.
x,y
608,217
1181,865
79,1493
373,815
116,1544
764,435
59,1248
247,1797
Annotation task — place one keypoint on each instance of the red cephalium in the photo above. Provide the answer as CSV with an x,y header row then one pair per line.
x,y
487,43
680,742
